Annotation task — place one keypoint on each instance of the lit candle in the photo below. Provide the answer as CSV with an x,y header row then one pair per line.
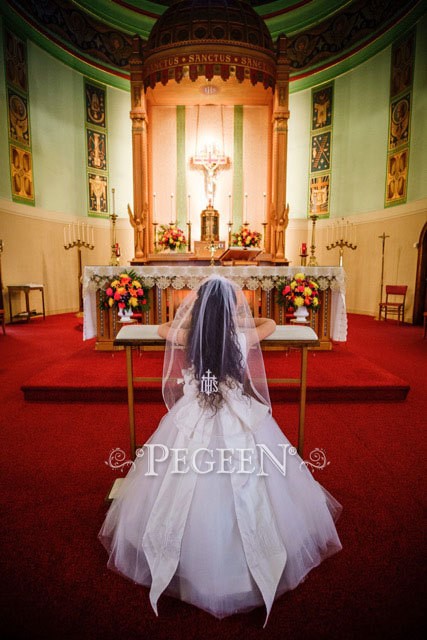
x,y
304,249
92,240
188,208
65,236
154,208
230,210
264,195
246,208
172,216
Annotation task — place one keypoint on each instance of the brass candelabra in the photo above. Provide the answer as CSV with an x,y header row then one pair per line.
x,y
80,243
341,244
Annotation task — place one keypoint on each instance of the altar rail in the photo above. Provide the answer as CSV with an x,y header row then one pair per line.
x,y
168,285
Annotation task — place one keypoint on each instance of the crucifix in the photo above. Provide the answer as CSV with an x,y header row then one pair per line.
x,y
210,160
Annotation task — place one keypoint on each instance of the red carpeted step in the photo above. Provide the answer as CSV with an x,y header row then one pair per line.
x,y
334,376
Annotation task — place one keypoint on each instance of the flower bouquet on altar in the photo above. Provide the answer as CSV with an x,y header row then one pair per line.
x,y
126,294
171,237
246,238
298,294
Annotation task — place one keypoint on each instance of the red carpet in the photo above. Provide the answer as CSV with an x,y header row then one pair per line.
x,y
54,579
335,376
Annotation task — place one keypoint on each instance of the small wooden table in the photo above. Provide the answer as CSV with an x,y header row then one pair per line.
x,y
26,288
290,337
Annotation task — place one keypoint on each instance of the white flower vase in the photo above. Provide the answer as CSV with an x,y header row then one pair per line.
x,y
301,314
125,315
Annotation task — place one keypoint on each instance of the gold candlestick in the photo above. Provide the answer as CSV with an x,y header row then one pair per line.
x,y
230,228
114,258
312,262
264,233
155,235
212,248
189,236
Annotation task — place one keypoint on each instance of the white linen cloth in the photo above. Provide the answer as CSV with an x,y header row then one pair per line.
x,y
251,277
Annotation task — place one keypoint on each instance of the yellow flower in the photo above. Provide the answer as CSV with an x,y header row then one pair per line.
x,y
110,301
133,302
115,283
299,276
298,302
136,284
315,302
307,291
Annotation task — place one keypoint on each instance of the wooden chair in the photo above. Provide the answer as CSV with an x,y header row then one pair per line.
x,y
394,306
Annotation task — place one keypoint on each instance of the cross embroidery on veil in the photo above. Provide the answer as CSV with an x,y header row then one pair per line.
x,y
208,383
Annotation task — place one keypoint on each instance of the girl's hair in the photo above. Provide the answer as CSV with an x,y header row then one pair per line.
x,y
212,341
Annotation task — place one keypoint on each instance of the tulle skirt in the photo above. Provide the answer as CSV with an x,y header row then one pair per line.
x,y
213,572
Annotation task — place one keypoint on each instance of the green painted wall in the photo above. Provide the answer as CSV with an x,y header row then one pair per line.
x,y
417,183
56,113
360,130
58,137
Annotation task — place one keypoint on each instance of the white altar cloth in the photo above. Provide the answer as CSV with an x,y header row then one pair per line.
x,y
251,277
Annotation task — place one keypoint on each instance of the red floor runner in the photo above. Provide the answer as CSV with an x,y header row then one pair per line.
x,y
335,376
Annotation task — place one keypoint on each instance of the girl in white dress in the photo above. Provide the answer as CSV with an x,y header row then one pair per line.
x,y
218,510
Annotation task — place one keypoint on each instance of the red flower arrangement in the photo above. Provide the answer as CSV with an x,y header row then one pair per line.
x,y
125,292
246,238
171,237
300,291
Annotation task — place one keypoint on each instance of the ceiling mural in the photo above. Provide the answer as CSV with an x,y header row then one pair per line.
x,y
320,33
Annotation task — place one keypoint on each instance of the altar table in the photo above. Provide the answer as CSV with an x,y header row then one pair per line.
x,y
169,284
141,336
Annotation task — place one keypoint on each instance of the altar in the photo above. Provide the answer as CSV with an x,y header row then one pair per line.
x,y
167,285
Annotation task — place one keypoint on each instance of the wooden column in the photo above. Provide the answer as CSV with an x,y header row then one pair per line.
x,y
278,210
138,115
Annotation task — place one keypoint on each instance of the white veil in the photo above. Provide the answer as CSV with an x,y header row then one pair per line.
x,y
213,335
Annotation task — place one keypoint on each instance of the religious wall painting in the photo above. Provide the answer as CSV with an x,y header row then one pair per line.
x,y
322,104
321,152
398,142
98,194
96,142
15,61
397,177
19,130
21,169
95,104
400,112
402,65
319,195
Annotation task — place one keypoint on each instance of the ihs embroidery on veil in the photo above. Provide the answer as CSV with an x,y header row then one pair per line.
x,y
208,383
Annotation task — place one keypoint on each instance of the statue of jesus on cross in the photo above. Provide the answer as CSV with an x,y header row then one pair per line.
x,y
210,160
